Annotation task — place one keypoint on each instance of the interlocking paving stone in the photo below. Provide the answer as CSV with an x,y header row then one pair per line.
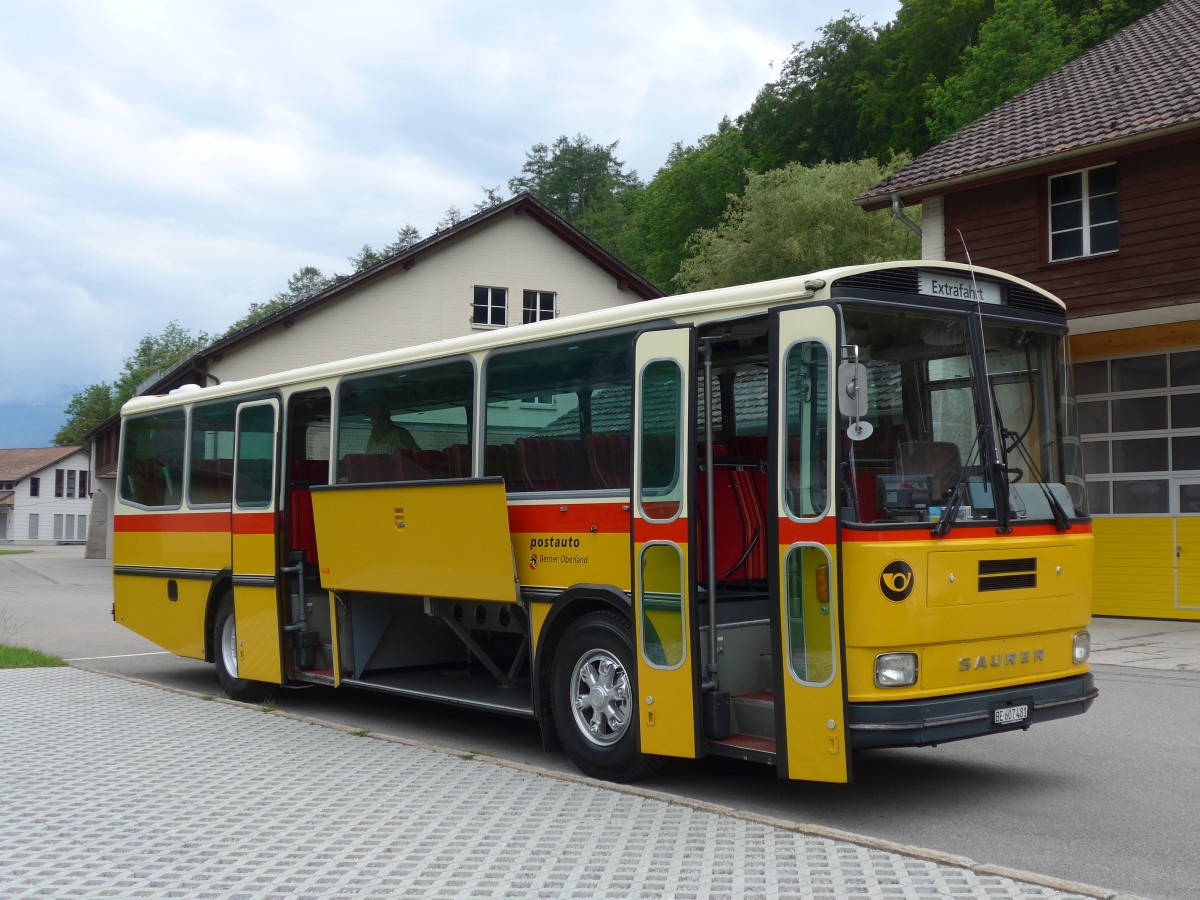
x,y
115,789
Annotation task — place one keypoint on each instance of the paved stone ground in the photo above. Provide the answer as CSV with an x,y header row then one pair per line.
x,y
110,788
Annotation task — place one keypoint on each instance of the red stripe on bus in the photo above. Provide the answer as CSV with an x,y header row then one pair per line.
x,y
254,523
676,531
159,523
604,518
822,532
196,523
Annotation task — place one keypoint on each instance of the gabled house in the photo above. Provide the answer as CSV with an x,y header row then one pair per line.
x,y
1088,184
44,495
514,263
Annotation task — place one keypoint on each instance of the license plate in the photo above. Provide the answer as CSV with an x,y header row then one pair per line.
x,y
1010,715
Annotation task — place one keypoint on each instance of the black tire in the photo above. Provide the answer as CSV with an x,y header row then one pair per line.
x,y
594,700
224,643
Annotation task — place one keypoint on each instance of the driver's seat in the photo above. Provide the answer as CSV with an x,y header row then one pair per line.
x,y
940,460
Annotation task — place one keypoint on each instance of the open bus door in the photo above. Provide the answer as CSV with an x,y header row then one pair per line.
x,y
663,383
255,492
808,656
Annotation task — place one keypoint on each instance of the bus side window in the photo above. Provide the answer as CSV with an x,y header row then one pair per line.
x,y
401,424
152,461
559,415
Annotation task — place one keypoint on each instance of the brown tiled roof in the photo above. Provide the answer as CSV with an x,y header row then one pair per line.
x,y
1140,83
18,464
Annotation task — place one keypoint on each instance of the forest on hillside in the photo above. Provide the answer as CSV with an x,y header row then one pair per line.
x,y
847,109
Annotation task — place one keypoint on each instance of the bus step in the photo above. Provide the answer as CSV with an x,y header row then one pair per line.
x,y
744,746
754,715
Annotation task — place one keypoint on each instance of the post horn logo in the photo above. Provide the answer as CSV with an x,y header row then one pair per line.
x,y
896,580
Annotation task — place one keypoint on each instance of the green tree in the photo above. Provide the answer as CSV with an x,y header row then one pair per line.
x,y
86,410
810,114
405,238
691,191
303,284
921,48
795,220
1022,42
451,218
573,175
491,197
155,353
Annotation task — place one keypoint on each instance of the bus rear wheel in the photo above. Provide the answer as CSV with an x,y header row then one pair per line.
x,y
593,699
225,653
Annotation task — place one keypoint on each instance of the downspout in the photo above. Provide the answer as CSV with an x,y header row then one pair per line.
x,y
898,212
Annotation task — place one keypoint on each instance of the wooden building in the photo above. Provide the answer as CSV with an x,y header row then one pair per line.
x,y
1088,184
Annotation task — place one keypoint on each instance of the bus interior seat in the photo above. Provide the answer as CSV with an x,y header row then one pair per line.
x,y
302,531
553,464
502,460
608,456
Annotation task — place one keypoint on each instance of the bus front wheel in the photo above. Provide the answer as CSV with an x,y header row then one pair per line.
x,y
225,652
593,699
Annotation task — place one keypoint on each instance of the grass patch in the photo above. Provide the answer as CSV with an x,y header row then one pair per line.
x,y
13,552
22,658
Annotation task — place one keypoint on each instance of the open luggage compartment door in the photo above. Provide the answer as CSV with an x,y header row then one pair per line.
x,y
446,538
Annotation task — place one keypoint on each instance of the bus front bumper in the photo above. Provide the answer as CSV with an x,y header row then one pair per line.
x,y
921,723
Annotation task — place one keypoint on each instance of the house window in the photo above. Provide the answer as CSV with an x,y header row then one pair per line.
x,y
1083,213
70,482
35,486
490,307
59,481
537,306
33,527
83,483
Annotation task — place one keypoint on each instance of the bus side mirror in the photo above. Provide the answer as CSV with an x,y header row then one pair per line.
x,y
852,390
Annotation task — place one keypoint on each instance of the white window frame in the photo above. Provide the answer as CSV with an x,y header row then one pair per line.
x,y
494,304
1086,225
532,306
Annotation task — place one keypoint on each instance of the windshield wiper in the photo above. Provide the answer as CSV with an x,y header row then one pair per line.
x,y
1061,520
950,511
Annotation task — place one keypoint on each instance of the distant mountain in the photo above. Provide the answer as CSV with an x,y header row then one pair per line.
x,y
26,425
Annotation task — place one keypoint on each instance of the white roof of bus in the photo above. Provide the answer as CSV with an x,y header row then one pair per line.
x,y
698,306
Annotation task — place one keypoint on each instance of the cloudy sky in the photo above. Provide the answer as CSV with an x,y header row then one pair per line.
x,y
164,160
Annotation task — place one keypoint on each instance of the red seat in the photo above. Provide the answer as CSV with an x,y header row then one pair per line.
x,y
608,457
553,464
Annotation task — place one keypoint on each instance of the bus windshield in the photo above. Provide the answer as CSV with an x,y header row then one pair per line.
x,y
947,443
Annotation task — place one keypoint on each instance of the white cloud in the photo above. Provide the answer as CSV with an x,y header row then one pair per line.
x,y
170,161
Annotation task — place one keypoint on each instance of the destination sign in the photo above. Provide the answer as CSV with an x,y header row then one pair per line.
x,y
950,287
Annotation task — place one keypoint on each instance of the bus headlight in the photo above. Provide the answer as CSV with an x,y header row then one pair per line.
x,y
895,669
1083,647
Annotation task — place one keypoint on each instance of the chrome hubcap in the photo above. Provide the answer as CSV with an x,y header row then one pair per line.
x,y
229,647
600,698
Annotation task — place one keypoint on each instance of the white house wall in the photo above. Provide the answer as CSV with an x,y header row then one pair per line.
x,y
933,229
46,506
432,300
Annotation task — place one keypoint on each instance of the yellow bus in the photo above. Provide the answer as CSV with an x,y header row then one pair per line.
x,y
779,522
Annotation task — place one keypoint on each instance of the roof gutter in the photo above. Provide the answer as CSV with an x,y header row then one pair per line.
x,y
899,213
